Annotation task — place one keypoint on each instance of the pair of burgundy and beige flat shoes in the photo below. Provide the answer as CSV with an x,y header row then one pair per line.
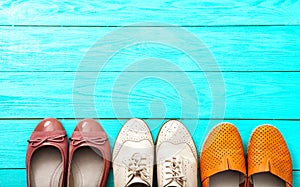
x,y
52,162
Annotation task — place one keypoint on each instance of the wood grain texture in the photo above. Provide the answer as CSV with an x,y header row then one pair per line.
x,y
16,132
17,178
120,13
42,43
150,95
234,48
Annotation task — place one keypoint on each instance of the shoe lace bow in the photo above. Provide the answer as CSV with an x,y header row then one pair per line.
x,y
137,167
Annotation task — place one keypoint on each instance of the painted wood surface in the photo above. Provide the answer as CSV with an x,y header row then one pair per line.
x,y
253,95
42,43
234,48
119,13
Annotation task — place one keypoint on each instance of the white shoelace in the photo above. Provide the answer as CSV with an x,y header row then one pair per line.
x,y
174,169
137,167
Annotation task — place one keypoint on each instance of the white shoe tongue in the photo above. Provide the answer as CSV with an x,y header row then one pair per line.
x,y
137,180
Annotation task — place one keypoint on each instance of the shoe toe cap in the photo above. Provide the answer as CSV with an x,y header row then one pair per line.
x,y
49,124
88,125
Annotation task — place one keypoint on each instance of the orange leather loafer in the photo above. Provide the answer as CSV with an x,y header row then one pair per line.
x,y
89,155
222,161
269,160
47,152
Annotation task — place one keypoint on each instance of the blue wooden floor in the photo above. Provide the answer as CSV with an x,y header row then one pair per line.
x,y
256,45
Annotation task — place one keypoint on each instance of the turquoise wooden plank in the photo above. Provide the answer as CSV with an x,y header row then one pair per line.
x,y
16,132
119,13
254,95
17,178
234,48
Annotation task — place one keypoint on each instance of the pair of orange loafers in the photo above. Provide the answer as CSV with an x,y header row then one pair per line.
x,y
222,161
52,161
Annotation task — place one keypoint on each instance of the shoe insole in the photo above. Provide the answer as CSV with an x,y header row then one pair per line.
x,y
267,180
138,185
86,168
46,167
225,179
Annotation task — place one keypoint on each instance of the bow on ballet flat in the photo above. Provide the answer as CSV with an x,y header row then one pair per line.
x,y
96,141
39,141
